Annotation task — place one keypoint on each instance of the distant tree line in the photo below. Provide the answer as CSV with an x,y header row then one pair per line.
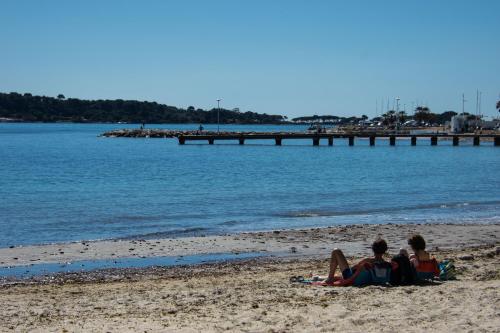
x,y
27,107
422,115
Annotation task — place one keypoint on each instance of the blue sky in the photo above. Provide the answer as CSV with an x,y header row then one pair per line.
x,y
285,57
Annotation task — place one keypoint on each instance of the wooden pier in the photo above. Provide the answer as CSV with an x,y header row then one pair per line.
x,y
351,137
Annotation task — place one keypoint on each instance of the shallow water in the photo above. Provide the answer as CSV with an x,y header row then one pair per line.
x,y
23,272
61,182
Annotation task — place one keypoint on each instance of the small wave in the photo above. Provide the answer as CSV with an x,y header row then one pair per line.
x,y
194,231
330,213
134,218
308,214
149,218
230,223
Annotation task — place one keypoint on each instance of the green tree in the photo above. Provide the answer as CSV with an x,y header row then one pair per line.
x,y
389,118
423,114
401,116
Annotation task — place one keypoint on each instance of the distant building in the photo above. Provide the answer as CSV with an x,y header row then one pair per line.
x,y
457,123
490,124
468,123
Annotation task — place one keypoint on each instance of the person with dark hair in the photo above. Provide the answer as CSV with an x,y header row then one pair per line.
x,y
426,266
369,270
417,243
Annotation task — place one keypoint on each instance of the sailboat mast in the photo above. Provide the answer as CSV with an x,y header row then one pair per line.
x,y
477,102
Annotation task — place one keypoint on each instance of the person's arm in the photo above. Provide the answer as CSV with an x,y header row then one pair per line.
x,y
414,261
436,268
362,263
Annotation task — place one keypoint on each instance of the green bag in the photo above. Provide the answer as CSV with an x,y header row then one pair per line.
x,y
447,270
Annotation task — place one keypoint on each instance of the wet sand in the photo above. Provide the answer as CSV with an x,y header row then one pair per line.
x,y
256,295
355,239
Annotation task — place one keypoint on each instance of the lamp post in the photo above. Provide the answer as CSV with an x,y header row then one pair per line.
x,y
397,114
218,111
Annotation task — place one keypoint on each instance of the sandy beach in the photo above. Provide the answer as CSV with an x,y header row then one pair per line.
x,y
256,295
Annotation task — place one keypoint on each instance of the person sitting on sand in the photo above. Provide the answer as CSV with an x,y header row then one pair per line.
x,y
426,267
379,247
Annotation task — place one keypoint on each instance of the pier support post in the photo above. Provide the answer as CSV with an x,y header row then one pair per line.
x,y
413,140
278,141
497,141
456,140
330,140
316,141
351,141
392,140
372,140
181,140
242,141
211,141
434,140
476,141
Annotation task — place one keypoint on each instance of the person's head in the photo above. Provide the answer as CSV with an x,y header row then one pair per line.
x,y
379,247
417,243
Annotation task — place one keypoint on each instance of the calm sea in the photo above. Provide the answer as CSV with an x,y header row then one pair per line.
x,y
61,182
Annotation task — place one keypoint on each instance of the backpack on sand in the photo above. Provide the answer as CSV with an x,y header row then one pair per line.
x,y
404,273
381,273
447,270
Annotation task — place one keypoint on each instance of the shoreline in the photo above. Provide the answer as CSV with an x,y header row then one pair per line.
x,y
283,243
256,295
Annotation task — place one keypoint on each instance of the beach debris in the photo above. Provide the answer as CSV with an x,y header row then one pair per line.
x,y
466,257
170,311
293,249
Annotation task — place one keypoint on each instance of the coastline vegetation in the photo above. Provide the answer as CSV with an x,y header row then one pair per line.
x,y
31,108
